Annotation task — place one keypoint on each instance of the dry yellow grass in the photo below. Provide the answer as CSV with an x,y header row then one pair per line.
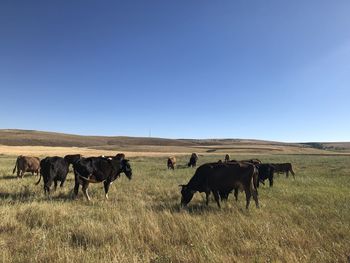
x,y
301,220
155,151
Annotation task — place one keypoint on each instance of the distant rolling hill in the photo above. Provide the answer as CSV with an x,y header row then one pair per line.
x,y
13,137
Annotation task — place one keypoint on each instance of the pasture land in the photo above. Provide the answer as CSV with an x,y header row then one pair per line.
x,y
301,220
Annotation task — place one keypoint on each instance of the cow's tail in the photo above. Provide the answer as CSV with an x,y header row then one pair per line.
x,y
291,171
14,169
254,186
254,180
38,180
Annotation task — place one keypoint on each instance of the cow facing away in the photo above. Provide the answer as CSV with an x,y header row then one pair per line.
x,y
99,170
227,158
193,160
171,162
283,168
26,164
220,177
53,169
72,158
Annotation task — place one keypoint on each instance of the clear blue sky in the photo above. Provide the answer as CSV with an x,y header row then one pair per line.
x,y
275,70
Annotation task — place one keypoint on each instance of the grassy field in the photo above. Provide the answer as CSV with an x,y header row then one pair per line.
x,y
301,220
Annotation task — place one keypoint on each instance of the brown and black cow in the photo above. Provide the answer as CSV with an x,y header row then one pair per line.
x,y
26,164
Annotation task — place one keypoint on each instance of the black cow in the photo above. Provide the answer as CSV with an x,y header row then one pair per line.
x,y
53,169
227,158
253,161
193,160
72,158
221,177
283,168
265,172
120,156
98,170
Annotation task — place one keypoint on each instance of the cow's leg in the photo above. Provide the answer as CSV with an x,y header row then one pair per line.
x,y
236,194
287,173
271,181
248,194
85,190
207,194
255,197
106,186
18,173
217,198
292,172
62,182
76,188
55,184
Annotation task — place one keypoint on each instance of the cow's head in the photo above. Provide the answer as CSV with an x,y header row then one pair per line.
x,y
187,194
126,168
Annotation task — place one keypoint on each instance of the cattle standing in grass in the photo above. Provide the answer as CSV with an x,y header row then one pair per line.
x,y
53,169
253,161
98,170
265,172
220,177
283,168
120,156
26,164
171,163
72,158
227,158
193,160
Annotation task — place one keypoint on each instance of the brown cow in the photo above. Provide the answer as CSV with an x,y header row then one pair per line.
x,y
26,164
171,162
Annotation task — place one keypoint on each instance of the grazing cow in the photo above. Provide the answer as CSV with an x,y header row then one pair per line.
x,y
171,162
253,161
72,158
265,172
98,170
283,168
26,164
227,158
120,156
193,160
221,177
53,169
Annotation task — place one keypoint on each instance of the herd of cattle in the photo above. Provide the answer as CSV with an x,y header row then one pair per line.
x,y
219,178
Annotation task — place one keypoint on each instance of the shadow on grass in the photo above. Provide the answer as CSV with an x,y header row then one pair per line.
x,y
9,177
25,195
196,209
